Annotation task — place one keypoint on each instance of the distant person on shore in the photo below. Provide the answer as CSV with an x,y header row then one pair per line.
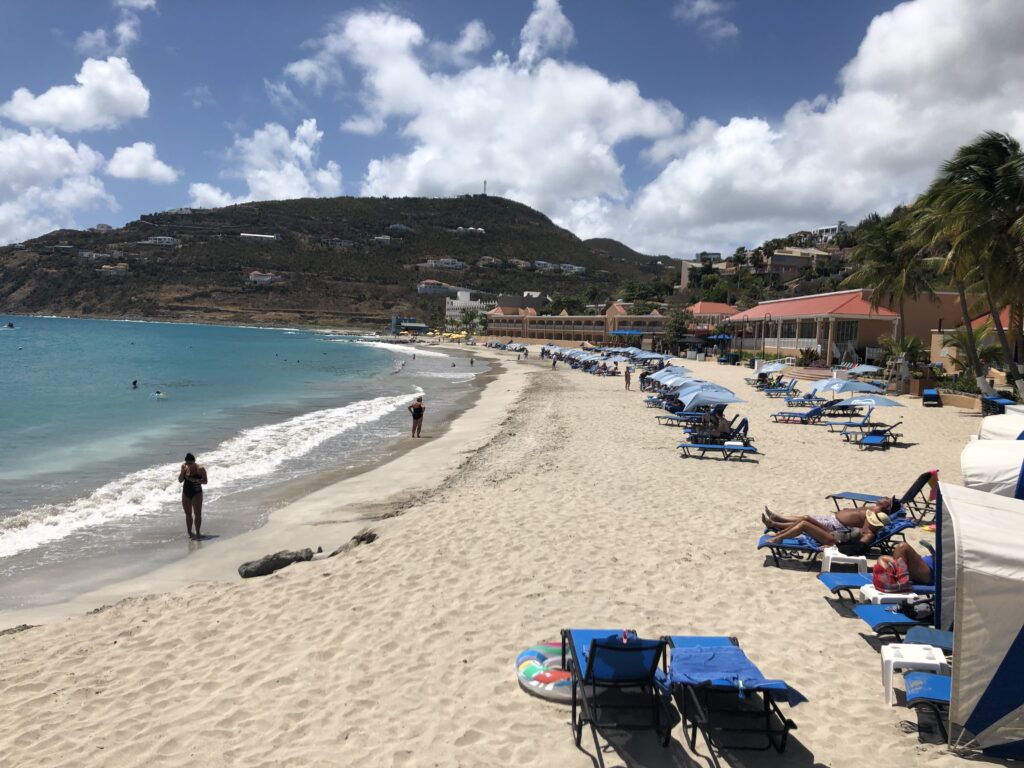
x,y
471,362
135,383
554,362
192,478
627,375
417,409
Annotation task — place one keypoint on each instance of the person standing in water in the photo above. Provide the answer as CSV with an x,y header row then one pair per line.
x,y
417,409
192,478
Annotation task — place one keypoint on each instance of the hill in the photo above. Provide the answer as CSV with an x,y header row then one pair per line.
x,y
335,267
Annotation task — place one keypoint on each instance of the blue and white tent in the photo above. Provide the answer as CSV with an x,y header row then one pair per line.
x,y
994,466
980,582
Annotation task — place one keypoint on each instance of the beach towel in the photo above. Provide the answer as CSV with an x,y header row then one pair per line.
x,y
725,666
892,577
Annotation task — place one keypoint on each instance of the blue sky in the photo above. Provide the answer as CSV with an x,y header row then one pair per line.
x,y
673,126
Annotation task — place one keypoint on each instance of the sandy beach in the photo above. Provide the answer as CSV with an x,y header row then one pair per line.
x,y
555,501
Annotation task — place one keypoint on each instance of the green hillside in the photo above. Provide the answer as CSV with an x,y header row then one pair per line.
x,y
356,281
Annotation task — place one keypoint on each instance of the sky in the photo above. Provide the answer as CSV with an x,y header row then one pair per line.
x,y
674,126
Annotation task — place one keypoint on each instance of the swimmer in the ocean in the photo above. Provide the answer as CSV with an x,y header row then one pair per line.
x,y
135,383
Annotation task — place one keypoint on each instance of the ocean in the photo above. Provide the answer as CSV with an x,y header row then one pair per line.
x,y
88,464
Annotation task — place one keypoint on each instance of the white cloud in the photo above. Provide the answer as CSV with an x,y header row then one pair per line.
x,y
139,161
44,180
200,96
107,94
282,97
708,16
920,85
473,39
547,31
126,32
275,166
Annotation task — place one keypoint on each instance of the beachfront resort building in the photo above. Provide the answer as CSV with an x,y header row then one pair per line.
x,y
709,314
464,300
407,325
615,325
840,326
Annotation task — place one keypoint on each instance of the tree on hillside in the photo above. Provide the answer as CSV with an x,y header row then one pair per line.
x,y
976,205
573,305
888,264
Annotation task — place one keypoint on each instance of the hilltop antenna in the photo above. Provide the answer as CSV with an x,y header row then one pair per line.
x,y
485,187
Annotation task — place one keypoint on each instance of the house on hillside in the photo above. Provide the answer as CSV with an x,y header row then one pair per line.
x,y
442,264
572,269
113,270
435,288
384,240
400,230
263,278
520,264
470,231
254,236
489,261
162,241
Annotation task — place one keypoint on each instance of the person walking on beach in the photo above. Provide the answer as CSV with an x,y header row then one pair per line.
x,y
417,409
627,377
192,478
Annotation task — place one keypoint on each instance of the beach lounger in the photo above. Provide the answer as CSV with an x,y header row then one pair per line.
x,y
785,391
722,694
807,550
727,451
846,586
925,635
843,426
880,438
886,620
613,683
810,401
813,416
917,500
930,691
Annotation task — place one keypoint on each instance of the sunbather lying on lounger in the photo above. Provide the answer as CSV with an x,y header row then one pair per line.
x,y
851,527
921,567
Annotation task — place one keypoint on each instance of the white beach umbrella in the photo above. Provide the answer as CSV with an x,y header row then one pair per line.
x,y
772,368
874,401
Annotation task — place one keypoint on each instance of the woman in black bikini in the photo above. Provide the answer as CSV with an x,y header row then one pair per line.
x,y
192,478
417,409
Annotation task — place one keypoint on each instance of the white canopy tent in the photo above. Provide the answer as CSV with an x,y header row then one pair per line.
x,y
981,597
995,466
1005,426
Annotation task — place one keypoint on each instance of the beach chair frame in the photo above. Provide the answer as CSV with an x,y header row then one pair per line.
x,y
939,707
586,689
698,710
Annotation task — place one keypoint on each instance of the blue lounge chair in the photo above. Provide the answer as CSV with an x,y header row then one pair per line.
x,y
807,550
846,585
886,620
614,672
710,676
916,500
879,438
785,391
930,691
842,426
813,416
807,400
930,397
925,635
690,450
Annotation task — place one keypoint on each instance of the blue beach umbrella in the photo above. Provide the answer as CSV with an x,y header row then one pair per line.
x,y
873,401
843,385
699,397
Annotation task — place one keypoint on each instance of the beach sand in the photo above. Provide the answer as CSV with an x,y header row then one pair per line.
x,y
557,501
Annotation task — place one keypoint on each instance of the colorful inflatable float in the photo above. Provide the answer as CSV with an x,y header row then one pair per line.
x,y
540,672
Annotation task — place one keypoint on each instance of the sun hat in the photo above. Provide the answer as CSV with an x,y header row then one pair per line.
x,y
877,519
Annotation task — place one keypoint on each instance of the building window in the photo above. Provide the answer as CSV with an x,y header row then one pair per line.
x,y
808,329
846,330
788,329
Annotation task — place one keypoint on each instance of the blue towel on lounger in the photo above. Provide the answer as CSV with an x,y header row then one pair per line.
x,y
725,667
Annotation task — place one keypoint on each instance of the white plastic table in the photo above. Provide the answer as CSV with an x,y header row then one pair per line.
x,y
897,656
868,594
832,555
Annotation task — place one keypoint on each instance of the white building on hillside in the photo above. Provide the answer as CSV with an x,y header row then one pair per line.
x,y
463,300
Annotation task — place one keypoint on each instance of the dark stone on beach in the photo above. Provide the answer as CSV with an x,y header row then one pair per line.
x,y
363,537
15,630
275,562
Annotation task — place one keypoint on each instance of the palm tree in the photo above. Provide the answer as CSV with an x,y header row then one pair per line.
x,y
886,262
976,204
960,338
469,319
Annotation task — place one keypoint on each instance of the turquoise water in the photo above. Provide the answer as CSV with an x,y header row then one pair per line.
x,y
89,463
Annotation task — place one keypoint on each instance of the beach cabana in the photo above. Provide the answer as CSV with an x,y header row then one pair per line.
x,y
995,466
1004,426
980,578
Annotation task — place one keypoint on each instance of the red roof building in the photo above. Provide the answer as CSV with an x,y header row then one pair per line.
x,y
840,326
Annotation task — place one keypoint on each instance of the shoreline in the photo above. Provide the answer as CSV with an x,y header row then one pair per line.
x,y
301,516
